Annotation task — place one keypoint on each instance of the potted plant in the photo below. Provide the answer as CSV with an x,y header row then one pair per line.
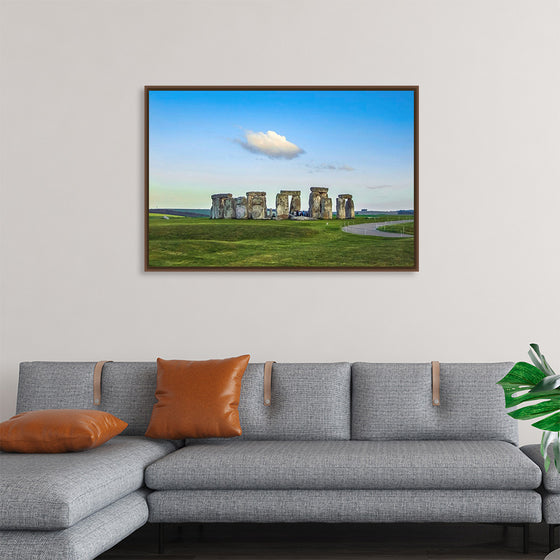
x,y
526,383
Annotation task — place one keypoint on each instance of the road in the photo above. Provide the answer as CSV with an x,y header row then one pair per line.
x,y
371,229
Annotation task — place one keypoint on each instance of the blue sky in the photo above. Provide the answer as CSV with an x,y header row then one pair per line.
x,y
206,142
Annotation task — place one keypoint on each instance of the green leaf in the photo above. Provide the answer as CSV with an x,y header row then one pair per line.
x,y
535,347
512,400
552,451
550,423
526,383
521,375
550,444
547,437
556,451
547,384
536,410
548,368
536,361
540,362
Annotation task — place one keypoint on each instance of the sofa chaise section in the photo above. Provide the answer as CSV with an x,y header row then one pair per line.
x,y
44,491
85,540
74,506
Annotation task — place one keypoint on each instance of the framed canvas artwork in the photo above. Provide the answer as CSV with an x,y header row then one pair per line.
x,y
281,178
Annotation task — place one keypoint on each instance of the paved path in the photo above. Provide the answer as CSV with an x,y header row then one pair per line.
x,y
371,229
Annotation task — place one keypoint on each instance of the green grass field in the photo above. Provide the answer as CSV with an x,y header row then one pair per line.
x,y
401,228
201,242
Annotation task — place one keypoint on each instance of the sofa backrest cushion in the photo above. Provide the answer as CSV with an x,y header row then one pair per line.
x,y
309,401
394,402
44,385
127,389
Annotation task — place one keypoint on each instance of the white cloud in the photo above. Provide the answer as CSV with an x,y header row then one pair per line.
x,y
270,144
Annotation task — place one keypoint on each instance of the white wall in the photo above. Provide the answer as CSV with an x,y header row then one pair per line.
x,y
72,282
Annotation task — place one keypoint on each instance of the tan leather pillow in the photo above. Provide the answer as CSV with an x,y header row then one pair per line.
x,y
58,431
197,399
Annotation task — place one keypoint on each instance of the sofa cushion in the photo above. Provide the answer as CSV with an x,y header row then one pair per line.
x,y
40,385
197,399
309,402
344,465
551,508
85,540
394,401
54,491
550,478
128,390
58,430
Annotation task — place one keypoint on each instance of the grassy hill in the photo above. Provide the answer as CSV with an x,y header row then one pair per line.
x,y
200,242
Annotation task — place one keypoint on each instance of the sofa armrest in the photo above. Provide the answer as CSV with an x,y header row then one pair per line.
x,y
551,479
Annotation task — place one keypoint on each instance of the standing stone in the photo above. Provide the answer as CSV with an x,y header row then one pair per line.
x,y
340,208
319,203
295,204
256,205
229,208
350,208
326,208
287,202
241,208
282,208
217,210
314,204
317,193
345,207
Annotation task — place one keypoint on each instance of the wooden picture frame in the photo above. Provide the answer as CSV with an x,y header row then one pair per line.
x,y
281,178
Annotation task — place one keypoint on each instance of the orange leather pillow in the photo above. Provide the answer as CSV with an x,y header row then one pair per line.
x,y
197,399
58,431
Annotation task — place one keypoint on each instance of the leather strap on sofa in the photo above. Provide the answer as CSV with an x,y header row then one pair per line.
x,y
268,383
435,383
97,370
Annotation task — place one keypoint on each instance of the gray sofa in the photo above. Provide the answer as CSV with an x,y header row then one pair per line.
x,y
340,442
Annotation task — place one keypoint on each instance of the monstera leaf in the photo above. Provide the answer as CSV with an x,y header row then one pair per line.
x,y
526,383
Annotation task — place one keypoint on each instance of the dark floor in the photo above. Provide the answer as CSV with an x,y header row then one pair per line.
x,y
330,542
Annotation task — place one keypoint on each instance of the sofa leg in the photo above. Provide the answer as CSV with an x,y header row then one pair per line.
x,y
551,544
525,538
161,538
